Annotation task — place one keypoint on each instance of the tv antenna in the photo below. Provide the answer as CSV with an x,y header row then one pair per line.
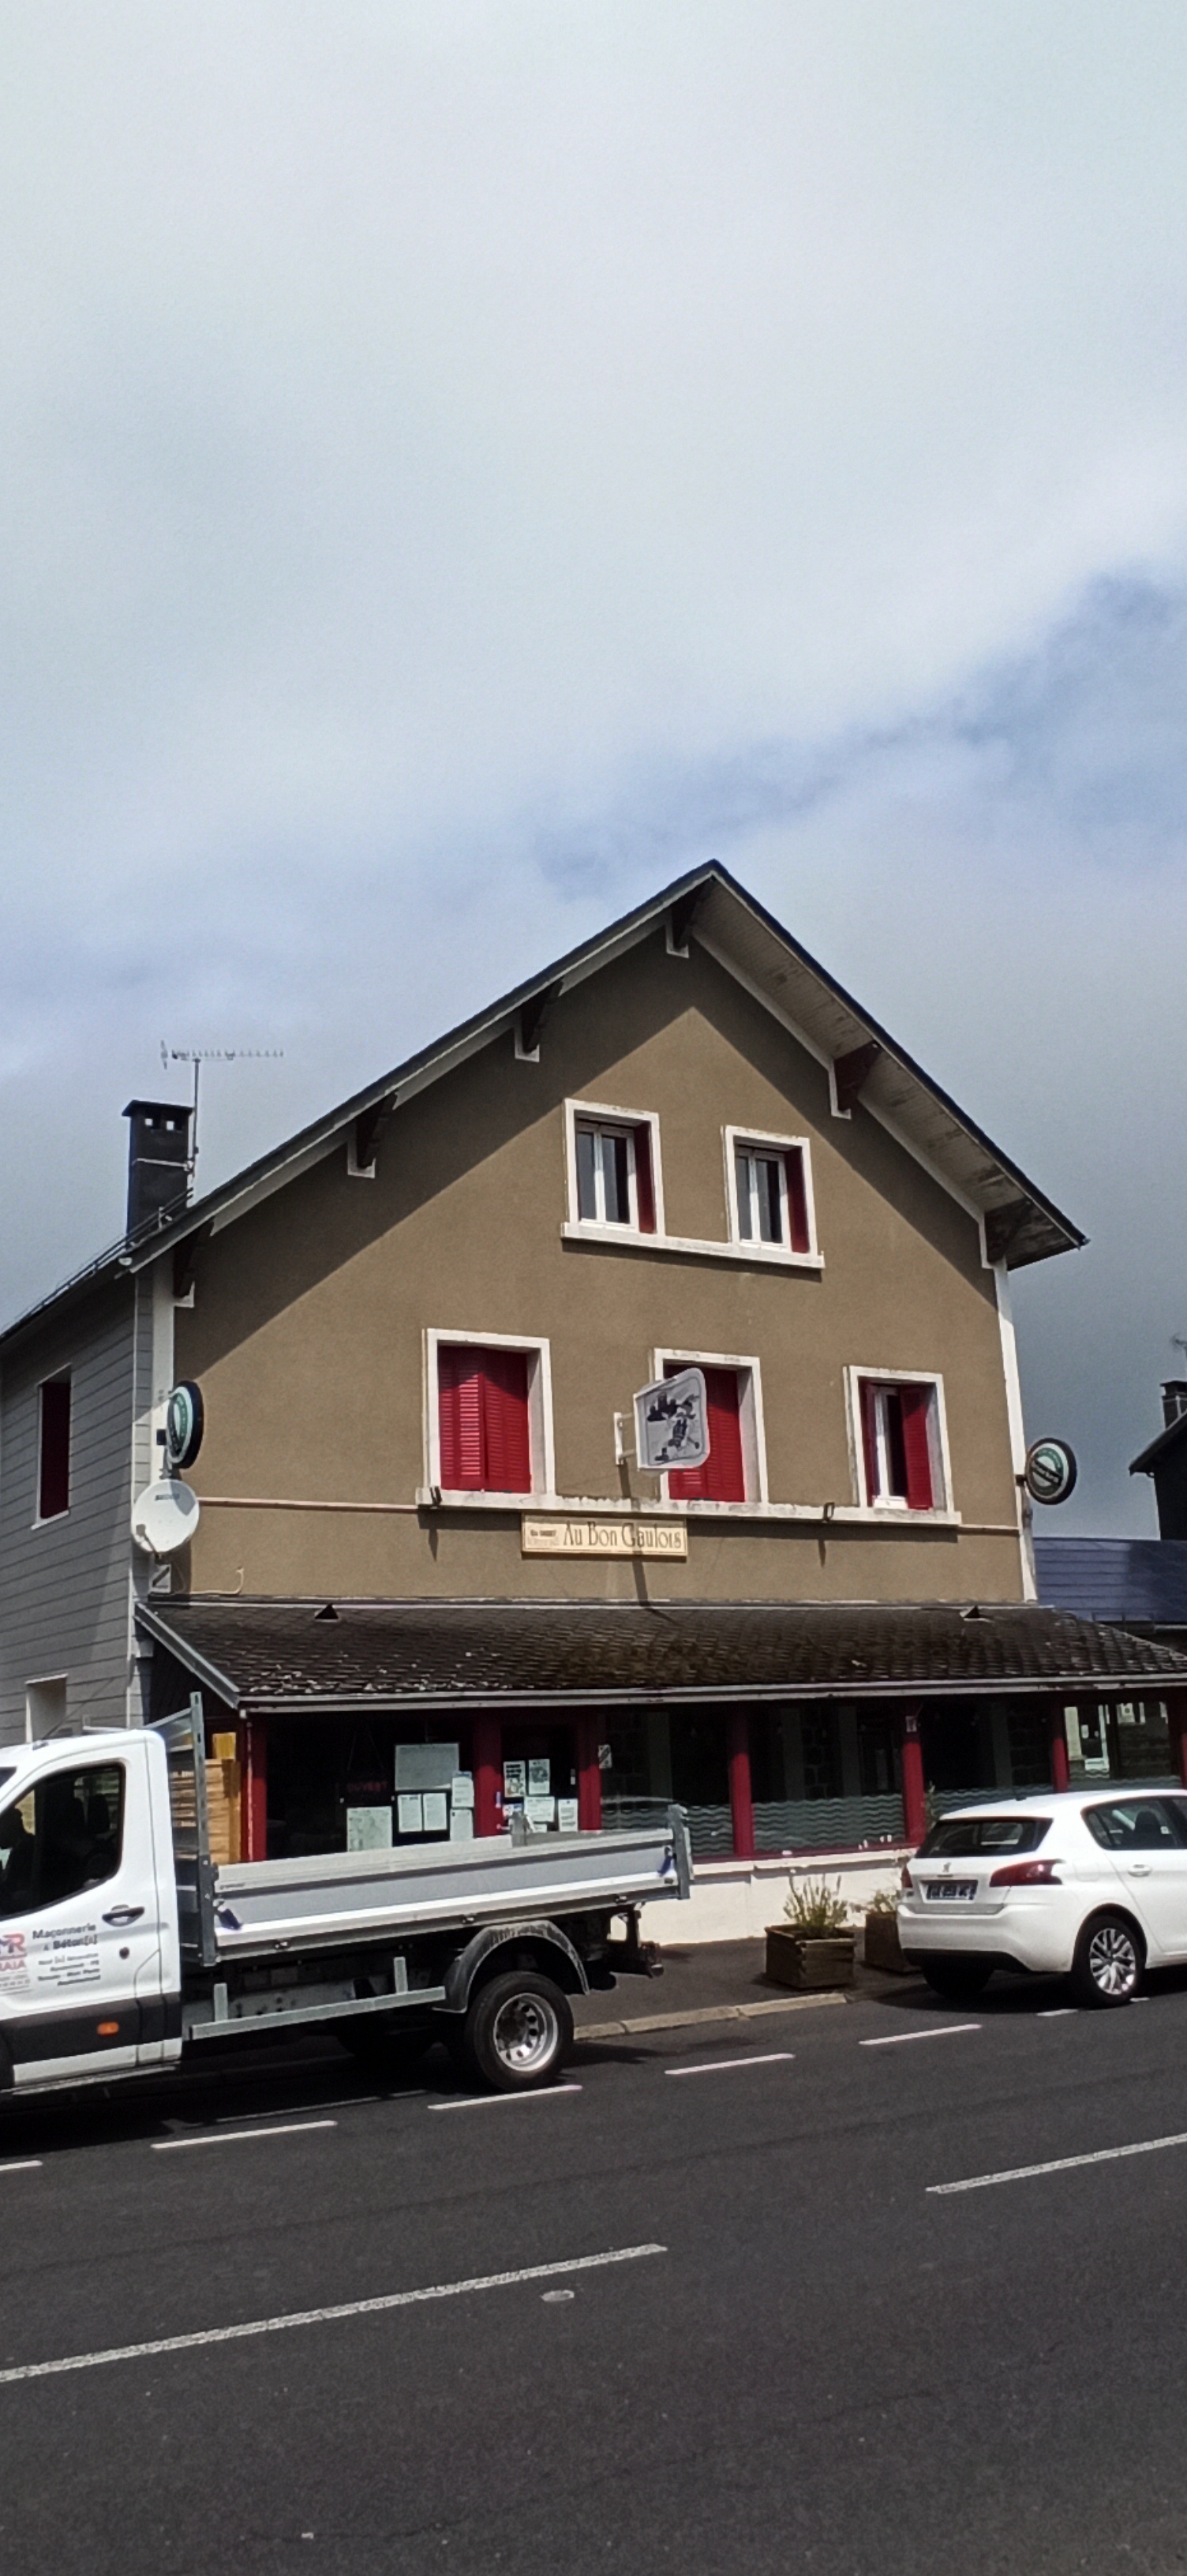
x,y
197,1057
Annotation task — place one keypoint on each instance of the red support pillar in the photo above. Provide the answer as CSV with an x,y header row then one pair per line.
x,y
589,1776
488,1773
253,1759
1061,1777
741,1796
914,1797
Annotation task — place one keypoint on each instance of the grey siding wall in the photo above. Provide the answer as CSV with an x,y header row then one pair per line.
x,y
64,1588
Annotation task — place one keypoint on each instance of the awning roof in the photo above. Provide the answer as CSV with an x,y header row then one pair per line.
x,y
306,1655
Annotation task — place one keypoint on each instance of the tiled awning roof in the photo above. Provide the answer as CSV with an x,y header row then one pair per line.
x,y
309,1655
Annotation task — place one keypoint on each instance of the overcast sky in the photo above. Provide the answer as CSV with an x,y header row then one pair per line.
x,y
462,464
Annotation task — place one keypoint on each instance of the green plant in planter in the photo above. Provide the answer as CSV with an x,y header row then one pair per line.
x,y
815,1910
885,1902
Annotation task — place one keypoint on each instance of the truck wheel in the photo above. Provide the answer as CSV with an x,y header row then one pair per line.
x,y
518,2032
1107,1968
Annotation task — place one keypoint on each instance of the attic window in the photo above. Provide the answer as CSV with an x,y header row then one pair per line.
x,y
769,1184
613,1169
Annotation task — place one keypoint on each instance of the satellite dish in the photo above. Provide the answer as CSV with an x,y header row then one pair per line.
x,y
164,1516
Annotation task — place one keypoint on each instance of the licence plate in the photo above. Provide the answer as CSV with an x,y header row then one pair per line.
x,y
949,1889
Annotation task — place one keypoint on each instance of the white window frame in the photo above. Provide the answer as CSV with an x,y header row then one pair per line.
x,y
538,1353
597,1113
735,1138
45,1682
941,1505
750,1411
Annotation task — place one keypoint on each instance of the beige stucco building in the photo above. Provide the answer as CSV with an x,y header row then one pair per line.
x,y
417,1330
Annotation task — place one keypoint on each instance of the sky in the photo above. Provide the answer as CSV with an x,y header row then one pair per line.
x,y
463,463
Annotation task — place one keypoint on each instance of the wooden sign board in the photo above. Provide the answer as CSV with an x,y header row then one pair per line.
x,y
584,1536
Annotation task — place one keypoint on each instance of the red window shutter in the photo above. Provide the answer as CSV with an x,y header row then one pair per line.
x,y
483,1420
722,1479
508,1456
459,1388
869,1437
797,1203
916,1404
53,1480
644,1181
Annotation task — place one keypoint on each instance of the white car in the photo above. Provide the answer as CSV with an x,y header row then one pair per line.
x,y
1090,1884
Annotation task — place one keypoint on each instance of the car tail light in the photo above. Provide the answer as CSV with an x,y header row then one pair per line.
x,y
1027,1873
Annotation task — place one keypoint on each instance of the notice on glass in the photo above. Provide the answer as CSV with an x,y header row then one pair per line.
x,y
369,1828
461,1825
426,1766
539,1779
435,1806
515,1780
461,1789
540,1813
410,1812
566,1815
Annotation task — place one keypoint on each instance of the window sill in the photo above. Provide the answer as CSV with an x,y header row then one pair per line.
x,y
623,1238
605,1507
52,1520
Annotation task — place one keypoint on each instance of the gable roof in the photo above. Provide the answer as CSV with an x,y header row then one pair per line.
x,y
1023,1225
1153,1455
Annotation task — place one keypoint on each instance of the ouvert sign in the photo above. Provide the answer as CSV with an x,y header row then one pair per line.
x,y
582,1535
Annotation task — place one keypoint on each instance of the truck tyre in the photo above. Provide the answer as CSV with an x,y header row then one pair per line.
x,y
518,2032
1107,1968
957,1981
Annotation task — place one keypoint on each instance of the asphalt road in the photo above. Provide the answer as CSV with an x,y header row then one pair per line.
x,y
807,2358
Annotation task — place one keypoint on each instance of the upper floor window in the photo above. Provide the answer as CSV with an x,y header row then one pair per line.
x,y
488,1431
732,1472
614,1161
902,1442
53,1448
770,1191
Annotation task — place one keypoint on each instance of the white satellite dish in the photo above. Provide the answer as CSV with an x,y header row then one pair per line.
x,y
672,1422
164,1516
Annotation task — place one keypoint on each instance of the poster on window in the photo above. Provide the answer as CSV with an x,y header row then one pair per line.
x,y
539,1779
515,1780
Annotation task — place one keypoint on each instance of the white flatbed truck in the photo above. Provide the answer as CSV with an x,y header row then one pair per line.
x,y
124,1948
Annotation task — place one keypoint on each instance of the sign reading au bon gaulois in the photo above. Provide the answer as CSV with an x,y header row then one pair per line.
x,y
581,1534
672,1422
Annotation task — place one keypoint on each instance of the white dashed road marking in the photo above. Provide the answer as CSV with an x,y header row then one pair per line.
x,y
1059,2164
328,2316
229,2137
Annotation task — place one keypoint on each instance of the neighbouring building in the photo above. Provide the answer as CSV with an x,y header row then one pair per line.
x,y
428,1583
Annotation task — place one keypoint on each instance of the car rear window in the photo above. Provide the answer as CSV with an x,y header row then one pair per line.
x,y
960,1837
1139,1824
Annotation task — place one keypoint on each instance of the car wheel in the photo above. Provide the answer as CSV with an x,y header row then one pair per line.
x,y
518,2032
1107,1969
957,1981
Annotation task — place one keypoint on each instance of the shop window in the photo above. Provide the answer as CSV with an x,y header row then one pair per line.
x,y
53,1448
613,1169
699,1767
901,1443
491,1417
732,1430
1127,1739
770,1191
824,1778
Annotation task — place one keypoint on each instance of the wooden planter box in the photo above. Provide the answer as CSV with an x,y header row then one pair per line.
x,y
883,1947
809,1959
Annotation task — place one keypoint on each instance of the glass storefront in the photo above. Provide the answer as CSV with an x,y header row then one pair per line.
x,y
825,1778
1125,1739
657,1755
